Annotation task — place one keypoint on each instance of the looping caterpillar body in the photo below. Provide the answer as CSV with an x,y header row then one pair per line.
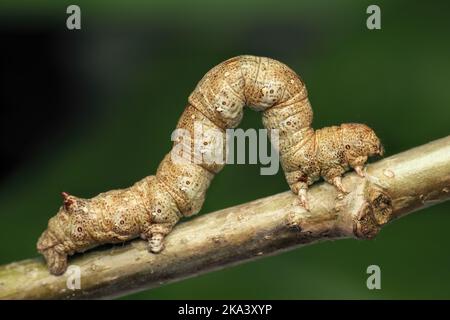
x,y
151,207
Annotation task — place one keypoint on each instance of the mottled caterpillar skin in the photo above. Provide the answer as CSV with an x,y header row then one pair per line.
x,y
152,206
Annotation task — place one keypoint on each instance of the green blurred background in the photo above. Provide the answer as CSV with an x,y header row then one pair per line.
x,y
101,118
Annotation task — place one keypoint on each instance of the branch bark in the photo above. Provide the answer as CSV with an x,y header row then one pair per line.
x,y
393,187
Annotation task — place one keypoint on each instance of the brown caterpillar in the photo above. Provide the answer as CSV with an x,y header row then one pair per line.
x,y
151,207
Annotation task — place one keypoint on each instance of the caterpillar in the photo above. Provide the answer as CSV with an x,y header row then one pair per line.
x,y
151,207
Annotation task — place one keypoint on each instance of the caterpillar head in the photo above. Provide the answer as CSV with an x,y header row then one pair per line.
x,y
360,141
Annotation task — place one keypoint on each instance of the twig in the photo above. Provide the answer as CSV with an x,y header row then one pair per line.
x,y
393,187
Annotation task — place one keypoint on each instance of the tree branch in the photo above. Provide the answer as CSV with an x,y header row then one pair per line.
x,y
393,187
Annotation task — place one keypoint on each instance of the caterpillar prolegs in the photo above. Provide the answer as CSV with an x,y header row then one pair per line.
x,y
151,207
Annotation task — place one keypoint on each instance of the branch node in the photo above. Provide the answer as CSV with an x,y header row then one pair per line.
x,y
293,222
373,213
382,206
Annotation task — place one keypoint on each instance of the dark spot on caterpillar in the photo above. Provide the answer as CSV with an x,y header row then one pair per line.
x,y
224,103
159,210
303,178
188,182
288,123
347,146
271,91
122,222
205,143
79,229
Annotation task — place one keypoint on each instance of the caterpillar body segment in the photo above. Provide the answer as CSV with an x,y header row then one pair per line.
x,y
151,207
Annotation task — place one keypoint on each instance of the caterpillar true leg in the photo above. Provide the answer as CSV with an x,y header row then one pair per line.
x,y
360,171
337,182
151,207
303,197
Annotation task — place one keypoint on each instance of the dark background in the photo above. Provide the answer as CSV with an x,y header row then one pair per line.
x,y
92,110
